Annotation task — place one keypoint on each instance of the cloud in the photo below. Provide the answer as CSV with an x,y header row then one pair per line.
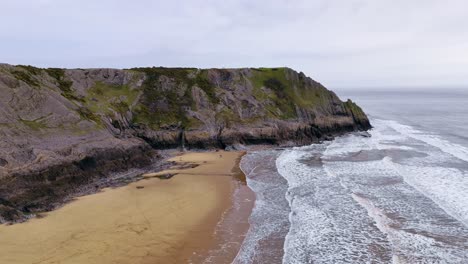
x,y
340,43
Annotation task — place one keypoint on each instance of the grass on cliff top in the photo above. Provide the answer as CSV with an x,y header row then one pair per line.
x,y
162,107
261,75
26,74
25,77
310,98
63,84
180,74
201,80
355,109
287,93
188,76
274,79
31,69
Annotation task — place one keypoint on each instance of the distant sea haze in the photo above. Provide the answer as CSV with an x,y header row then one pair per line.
x,y
398,196
441,111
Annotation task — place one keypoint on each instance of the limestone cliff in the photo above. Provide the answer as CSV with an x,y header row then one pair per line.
x,y
62,128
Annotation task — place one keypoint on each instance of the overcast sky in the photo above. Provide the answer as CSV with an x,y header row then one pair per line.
x,y
347,43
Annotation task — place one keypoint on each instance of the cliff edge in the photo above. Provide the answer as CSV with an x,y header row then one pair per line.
x,y
63,128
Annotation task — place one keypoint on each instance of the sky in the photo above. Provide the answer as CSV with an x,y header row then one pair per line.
x,y
340,43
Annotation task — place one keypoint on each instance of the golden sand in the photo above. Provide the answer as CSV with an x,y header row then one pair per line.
x,y
149,221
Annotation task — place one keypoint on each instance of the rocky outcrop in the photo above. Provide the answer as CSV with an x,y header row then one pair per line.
x,y
26,192
60,129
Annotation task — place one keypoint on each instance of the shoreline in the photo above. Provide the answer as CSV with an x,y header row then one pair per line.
x,y
232,228
168,221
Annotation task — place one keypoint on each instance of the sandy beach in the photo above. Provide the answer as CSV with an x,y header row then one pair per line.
x,y
176,220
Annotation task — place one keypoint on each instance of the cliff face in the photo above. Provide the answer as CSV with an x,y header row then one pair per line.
x,y
60,128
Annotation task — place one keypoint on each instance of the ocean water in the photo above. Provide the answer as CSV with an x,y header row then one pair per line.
x,y
399,196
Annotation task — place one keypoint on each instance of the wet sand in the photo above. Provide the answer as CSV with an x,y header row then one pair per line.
x,y
149,221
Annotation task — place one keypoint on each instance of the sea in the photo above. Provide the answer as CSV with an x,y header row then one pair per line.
x,y
399,195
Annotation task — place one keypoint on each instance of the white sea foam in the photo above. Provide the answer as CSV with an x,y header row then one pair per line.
x,y
327,226
382,221
384,180
456,150
269,218
381,139
398,196
448,187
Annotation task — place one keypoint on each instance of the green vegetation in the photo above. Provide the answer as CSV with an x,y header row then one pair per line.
x,y
103,98
59,75
63,83
277,86
166,95
282,96
188,76
261,75
120,106
34,124
193,123
162,107
31,69
228,117
165,106
355,109
179,74
201,80
287,92
26,74
25,77
85,113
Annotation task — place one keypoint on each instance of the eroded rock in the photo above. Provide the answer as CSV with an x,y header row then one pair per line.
x,y
62,129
